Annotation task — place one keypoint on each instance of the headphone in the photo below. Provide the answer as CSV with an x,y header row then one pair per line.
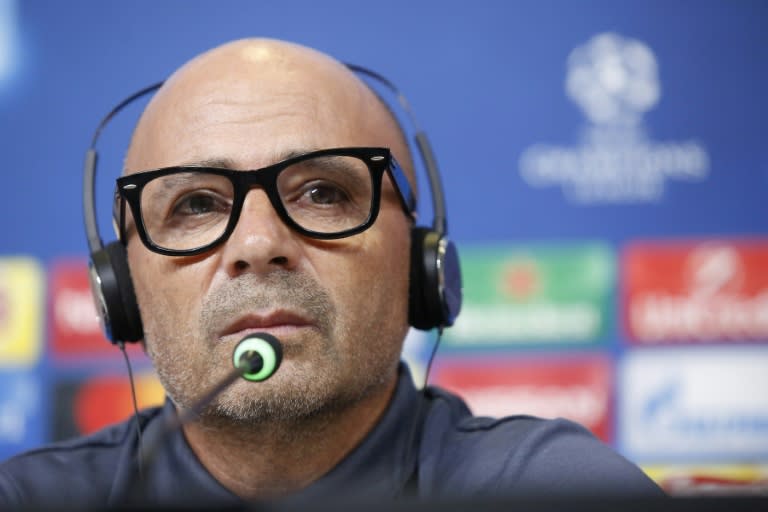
x,y
435,290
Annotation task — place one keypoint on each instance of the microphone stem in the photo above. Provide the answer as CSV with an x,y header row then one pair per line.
x,y
188,415
150,447
249,360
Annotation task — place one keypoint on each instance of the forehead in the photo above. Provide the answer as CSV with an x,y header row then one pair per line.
x,y
251,110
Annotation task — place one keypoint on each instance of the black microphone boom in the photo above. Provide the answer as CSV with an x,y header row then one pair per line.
x,y
255,358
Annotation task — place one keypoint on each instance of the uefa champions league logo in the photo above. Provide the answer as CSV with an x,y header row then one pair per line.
x,y
614,80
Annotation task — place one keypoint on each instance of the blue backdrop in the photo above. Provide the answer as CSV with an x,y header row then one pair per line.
x,y
553,121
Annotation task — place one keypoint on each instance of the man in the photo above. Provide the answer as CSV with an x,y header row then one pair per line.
x,y
340,416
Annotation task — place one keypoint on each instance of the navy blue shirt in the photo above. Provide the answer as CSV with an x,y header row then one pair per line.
x,y
427,444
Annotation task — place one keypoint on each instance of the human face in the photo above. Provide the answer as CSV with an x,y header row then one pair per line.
x,y
339,307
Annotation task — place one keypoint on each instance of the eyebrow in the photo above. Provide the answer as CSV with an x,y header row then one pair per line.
x,y
228,163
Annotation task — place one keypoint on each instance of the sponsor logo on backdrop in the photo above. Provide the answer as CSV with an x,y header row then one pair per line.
x,y
678,404
615,81
713,291
574,388
87,404
21,307
538,294
683,480
5,307
20,412
75,327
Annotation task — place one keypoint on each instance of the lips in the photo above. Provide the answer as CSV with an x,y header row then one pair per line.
x,y
273,322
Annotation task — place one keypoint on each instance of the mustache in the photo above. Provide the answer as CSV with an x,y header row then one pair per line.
x,y
280,289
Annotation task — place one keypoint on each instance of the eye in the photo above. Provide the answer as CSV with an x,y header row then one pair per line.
x,y
326,194
199,204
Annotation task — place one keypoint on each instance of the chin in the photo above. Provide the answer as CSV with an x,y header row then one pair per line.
x,y
296,394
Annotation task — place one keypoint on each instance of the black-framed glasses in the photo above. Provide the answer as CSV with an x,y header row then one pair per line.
x,y
325,194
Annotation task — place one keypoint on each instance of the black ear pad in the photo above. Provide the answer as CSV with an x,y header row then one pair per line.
x,y
113,293
435,287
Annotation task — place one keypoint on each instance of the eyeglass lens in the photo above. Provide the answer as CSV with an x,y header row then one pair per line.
x,y
190,209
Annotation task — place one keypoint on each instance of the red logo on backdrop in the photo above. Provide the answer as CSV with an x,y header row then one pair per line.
x,y
87,404
104,400
714,291
75,326
574,388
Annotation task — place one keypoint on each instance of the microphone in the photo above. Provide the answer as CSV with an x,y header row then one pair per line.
x,y
259,354
256,358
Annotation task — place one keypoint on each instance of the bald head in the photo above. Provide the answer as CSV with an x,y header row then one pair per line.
x,y
245,103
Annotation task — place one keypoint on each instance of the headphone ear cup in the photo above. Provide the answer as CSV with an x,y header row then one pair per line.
x,y
113,293
435,287
418,316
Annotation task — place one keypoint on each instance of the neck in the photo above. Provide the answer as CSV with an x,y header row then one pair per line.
x,y
270,459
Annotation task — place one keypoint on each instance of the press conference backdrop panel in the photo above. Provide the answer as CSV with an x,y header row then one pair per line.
x,y
606,170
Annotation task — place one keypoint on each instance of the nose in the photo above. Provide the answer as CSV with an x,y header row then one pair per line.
x,y
260,242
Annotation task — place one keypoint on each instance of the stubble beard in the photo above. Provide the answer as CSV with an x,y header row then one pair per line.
x,y
190,363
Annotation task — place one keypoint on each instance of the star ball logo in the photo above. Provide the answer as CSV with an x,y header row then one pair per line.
x,y
615,81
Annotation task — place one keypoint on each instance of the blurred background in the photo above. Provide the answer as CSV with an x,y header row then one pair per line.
x,y
606,172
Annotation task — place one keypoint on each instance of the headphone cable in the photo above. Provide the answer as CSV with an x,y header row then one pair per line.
x,y
121,345
432,356
410,486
